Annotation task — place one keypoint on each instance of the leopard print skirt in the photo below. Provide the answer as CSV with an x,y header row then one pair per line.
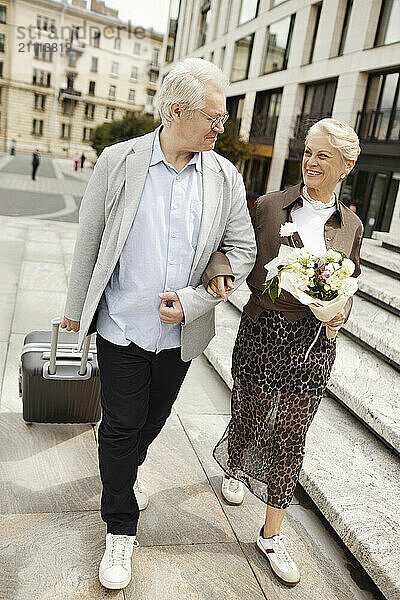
x,y
275,396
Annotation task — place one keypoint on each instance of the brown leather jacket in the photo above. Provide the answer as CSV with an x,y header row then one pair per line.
x,y
343,231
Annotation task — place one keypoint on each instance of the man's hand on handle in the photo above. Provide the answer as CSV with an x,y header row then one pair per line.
x,y
70,325
220,285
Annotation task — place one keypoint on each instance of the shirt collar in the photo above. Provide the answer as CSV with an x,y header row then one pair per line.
x,y
292,196
158,156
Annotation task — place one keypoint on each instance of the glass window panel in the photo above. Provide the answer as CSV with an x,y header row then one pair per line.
x,y
248,11
390,202
389,23
277,42
346,22
377,196
386,105
241,58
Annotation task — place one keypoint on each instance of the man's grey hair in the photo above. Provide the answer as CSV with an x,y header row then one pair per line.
x,y
185,83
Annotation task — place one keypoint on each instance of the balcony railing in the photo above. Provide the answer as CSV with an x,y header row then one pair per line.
x,y
70,94
153,66
379,125
263,129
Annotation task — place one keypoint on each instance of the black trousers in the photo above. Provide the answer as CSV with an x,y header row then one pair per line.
x,y
34,169
138,390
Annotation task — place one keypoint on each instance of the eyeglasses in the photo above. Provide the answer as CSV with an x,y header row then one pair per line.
x,y
217,120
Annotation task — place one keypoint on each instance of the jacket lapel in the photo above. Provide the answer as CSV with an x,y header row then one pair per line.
x,y
136,169
212,192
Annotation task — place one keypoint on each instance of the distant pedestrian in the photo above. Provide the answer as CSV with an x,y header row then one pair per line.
x,y
83,158
35,162
76,162
13,145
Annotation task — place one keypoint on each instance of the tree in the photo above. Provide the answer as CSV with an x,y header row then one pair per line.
x,y
121,130
230,145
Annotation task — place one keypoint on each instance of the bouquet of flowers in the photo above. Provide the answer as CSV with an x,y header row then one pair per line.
x,y
323,283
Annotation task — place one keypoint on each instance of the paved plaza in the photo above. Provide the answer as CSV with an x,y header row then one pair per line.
x,y
192,545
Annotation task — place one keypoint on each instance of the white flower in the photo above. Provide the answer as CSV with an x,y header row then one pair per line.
x,y
330,268
310,272
288,229
333,256
349,287
302,282
348,267
335,266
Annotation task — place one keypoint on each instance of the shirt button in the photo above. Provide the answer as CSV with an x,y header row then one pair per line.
x,y
171,262
173,234
174,206
177,177
167,289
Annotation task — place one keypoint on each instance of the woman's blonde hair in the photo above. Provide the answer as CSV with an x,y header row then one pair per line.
x,y
341,136
185,84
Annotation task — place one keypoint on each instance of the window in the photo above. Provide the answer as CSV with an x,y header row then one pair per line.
x,y
87,134
388,30
346,22
136,49
74,33
89,110
68,106
70,80
95,64
1,68
149,101
43,52
204,23
1,91
131,97
241,58
72,56
222,57
174,10
45,24
92,87
265,116
380,119
234,106
114,68
134,73
111,92
41,78
117,43
319,99
279,36
2,42
248,10
110,112
96,39
153,77
3,14
37,127
154,57
66,131
39,101
317,15
277,2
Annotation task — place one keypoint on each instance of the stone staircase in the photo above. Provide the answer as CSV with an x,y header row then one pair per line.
x,y
352,464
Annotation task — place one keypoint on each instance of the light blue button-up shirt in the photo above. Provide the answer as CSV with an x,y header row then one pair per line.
x,y
157,256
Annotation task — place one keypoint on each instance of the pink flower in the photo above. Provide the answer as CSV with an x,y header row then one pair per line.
x,y
324,275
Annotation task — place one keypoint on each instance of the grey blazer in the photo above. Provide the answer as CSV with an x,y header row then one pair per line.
x,y
107,212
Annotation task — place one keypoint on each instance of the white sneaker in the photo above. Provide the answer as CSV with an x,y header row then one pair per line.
x,y
115,567
281,563
232,490
142,497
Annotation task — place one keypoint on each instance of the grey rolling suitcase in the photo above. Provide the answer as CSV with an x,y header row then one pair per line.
x,y
58,384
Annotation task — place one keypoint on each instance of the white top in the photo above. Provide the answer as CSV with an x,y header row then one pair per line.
x,y
157,256
310,223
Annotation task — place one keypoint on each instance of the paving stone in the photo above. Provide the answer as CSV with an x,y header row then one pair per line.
x,y
52,557
34,310
198,572
42,277
182,507
43,251
7,302
9,275
323,564
10,399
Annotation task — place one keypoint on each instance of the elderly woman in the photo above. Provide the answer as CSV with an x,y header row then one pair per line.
x,y
276,393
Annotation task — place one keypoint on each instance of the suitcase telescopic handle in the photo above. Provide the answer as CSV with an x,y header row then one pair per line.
x,y
55,327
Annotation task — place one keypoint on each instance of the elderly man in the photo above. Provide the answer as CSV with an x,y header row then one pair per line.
x,y
155,210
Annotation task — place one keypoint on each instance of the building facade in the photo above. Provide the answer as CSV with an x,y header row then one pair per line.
x,y
293,62
66,69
